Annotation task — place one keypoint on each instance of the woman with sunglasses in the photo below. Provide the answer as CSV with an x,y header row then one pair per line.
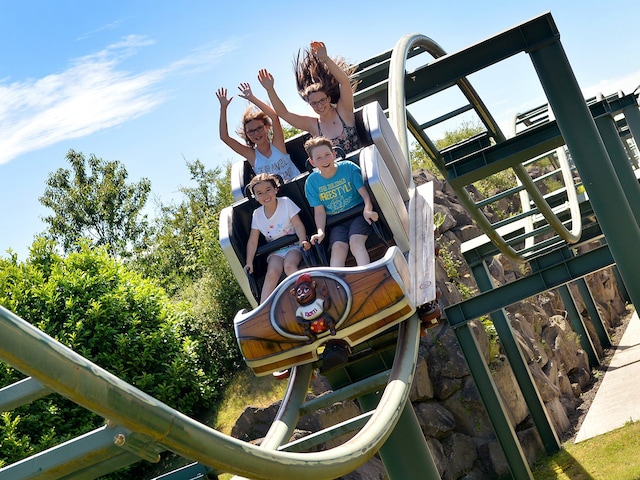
x,y
324,84
264,154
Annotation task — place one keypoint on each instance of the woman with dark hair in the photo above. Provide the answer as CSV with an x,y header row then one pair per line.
x,y
324,84
264,154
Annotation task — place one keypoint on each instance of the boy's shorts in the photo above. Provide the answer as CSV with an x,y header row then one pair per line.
x,y
343,231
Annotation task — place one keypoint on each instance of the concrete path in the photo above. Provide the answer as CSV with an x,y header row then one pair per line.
x,y
617,401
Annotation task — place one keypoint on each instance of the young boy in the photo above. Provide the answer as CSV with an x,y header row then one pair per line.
x,y
332,189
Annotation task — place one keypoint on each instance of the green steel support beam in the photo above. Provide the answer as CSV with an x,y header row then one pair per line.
x,y
632,116
594,314
465,169
611,206
555,269
578,325
358,389
518,363
405,455
110,465
501,156
622,289
307,442
505,433
84,453
624,171
21,393
445,71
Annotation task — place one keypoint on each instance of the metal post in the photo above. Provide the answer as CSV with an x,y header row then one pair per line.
x,y
621,286
627,177
405,454
493,403
518,363
578,326
607,197
632,115
594,314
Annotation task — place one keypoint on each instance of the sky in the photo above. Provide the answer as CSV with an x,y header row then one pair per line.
x,y
135,81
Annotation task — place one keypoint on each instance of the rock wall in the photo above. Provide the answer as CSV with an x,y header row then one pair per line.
x,y
444,396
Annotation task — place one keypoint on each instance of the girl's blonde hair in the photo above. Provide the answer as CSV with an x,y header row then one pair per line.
x,y
252,113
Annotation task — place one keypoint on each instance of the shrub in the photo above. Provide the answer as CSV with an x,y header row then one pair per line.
x,y
113,317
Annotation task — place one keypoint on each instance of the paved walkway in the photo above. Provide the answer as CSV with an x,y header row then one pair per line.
x,y
617,400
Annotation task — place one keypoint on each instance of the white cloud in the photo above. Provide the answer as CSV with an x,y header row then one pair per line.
x,y
91,95
627,84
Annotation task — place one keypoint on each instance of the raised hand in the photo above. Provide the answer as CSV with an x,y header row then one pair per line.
x,y
245,90
319,50
265,78
221,93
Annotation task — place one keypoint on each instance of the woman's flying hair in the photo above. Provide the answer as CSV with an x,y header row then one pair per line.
x,y
312,75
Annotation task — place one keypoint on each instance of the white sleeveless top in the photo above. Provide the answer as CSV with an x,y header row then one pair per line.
x,y
278,163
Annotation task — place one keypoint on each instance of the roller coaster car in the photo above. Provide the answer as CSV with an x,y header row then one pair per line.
x,y
360,302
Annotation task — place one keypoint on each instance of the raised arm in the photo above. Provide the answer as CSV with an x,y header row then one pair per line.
x,y
302,122
244,150
345,103
278,134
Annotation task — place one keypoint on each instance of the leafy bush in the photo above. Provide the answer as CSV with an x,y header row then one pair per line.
x,y
113,317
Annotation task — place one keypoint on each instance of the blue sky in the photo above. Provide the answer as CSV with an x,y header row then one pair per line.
x,y
135,81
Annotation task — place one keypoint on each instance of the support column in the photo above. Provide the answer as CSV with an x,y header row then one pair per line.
x,y
594,314
505,433
632,115
405,454
624,171
578,326
518,363
611,206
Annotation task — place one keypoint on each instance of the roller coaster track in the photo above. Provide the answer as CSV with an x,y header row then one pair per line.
x,y
143,426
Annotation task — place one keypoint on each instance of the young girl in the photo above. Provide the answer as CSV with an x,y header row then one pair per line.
x,y
326,87
275,218
264,155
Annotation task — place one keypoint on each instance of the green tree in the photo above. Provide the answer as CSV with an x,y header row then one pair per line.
x,y
290,131
187,260
178,255
104,311
93,200
466,129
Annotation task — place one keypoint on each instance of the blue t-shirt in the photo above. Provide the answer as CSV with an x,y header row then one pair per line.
x,y
338,193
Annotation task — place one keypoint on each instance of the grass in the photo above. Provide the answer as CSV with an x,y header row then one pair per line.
x,y
611,456
247,389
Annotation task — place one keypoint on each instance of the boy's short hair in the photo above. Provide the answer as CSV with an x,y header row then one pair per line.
x,y
264,177
317,142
